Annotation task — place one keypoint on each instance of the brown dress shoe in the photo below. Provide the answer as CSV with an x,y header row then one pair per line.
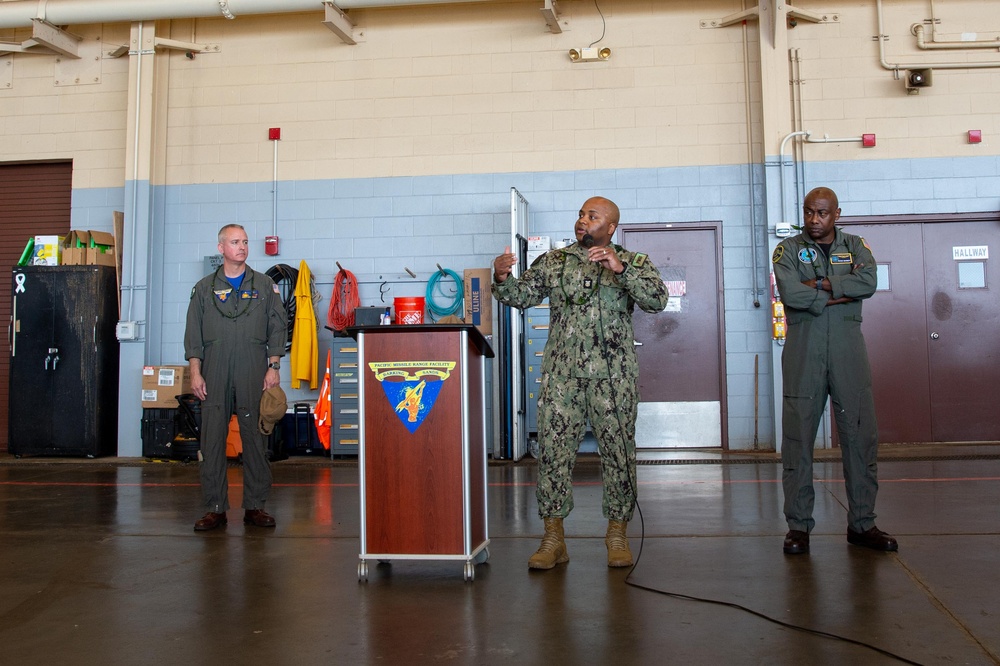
x,y
258,517
873,538
210,521
796,542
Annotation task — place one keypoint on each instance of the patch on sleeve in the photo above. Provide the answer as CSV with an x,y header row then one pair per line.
x,y
865,243
639,260
778,253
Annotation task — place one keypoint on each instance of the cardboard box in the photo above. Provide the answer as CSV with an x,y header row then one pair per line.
x,y
88,248
48,251
478,299
161,384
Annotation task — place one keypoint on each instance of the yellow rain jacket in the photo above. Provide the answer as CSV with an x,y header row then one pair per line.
x,y
305,344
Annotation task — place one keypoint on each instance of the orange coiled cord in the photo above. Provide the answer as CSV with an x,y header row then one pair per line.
x,y
343,301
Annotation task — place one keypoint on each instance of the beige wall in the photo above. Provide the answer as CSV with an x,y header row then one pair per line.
x,y
846,91
40,119
486,88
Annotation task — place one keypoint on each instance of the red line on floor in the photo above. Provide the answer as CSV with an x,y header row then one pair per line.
x,y
528,484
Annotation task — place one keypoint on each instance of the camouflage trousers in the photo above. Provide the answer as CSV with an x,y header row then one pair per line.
x,y
564,407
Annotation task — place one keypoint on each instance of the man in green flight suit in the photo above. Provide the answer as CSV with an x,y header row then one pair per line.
x,y
234,340
589,369
823,275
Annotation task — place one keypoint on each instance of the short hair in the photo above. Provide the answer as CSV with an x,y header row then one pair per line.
x,y
223,230
826,193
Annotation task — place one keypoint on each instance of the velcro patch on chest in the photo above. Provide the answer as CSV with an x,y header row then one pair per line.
x,y
639,260
841,258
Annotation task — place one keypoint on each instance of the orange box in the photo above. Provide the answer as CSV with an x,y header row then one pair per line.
x,y
234,443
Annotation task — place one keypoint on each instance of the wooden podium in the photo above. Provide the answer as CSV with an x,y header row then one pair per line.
x,y
422,443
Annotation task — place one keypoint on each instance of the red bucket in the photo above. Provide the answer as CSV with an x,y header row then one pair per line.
x,y
409,309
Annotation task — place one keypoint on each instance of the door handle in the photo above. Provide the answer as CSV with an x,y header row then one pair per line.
x,y
934,336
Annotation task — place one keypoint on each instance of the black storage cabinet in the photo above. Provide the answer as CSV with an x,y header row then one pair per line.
x,y
64,361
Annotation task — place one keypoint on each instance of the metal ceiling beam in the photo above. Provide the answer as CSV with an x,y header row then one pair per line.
x,y
339,23
46,38
551,13
55,38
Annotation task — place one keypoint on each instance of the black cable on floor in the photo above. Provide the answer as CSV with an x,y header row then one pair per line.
x,y
677,595
781,623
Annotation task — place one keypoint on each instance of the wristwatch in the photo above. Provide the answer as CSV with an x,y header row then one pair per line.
x,y
276,365
819,284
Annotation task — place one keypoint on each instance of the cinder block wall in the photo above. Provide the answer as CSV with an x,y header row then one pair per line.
x,y
400,151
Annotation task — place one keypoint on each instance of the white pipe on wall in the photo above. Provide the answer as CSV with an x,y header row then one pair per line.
x,y
922,43
755,293
895,66
19,13
781,171
136,146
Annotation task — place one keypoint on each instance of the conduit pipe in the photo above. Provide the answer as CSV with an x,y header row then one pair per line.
x,y
20,13
826,139
798,153
881,37
918,30
274,192
781,170
807,138
753,209
135,173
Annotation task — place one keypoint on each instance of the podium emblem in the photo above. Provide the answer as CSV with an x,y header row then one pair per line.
x,y
412,387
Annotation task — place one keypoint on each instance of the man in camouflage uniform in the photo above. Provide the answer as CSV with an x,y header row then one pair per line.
x,y
823,274
589,369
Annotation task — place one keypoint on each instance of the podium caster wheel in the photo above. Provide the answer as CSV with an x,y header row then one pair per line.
x,y
362,571
482,556
470,572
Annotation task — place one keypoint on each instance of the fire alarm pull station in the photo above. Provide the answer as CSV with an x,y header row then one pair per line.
x,y
271,245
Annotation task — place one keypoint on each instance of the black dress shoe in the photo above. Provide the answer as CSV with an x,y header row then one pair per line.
x,y
796,542
873,538
210,521
258,517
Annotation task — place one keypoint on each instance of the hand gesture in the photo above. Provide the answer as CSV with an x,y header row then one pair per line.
x,y
504,264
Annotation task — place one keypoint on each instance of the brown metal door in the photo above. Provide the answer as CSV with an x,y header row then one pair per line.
x,y
931,329
963,321
895,330
681,356
34,200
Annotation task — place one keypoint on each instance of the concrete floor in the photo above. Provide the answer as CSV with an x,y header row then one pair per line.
x,y
100,565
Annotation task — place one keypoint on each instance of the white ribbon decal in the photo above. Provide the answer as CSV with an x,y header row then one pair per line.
x,y
19,279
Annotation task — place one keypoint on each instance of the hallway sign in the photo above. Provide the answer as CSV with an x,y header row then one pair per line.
x,y
959,253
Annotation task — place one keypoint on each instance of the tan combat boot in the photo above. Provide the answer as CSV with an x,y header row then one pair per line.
x,y
553,548
619,554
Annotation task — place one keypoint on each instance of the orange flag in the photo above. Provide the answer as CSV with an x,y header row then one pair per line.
x,y
322,412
